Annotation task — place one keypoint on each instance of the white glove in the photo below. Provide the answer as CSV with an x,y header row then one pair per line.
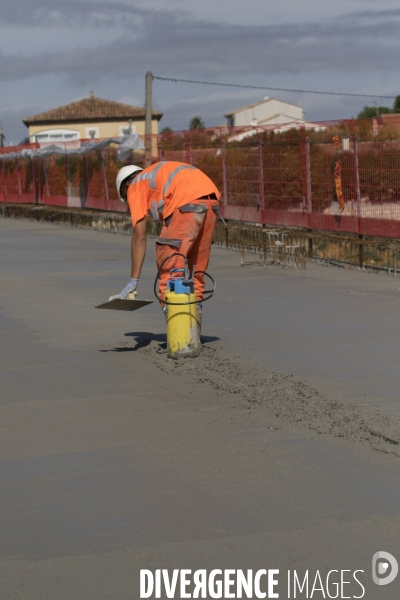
x,y
128,289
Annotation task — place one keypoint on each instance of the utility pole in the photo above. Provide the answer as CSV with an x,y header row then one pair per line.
x,y
2,136
148,118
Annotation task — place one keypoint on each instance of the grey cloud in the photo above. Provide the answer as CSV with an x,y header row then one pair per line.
x,y
369,17
79,13
169,43
14,129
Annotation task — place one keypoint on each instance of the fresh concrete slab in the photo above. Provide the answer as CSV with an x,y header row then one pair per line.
x,y
114,458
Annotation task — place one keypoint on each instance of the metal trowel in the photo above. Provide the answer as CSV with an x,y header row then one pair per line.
x,y
129,303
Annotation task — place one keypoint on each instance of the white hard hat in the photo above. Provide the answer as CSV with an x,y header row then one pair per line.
x,y
123,174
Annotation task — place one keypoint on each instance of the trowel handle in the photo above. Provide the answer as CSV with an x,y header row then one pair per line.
x,y
132,296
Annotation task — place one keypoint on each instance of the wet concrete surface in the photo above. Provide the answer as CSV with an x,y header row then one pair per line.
x,y
111,463
337,327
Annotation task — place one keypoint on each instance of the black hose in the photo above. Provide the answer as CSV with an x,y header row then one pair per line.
x,y
210,292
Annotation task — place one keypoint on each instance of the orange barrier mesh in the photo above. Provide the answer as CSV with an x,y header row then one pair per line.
x,y
341,176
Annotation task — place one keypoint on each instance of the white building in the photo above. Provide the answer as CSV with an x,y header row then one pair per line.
x,y
269,111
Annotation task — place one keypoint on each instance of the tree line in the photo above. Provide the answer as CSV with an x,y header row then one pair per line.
x,y
369,112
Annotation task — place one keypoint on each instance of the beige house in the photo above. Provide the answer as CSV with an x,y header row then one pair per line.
x,y
88,118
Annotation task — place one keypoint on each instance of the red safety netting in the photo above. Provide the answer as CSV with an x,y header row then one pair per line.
x,y
339,176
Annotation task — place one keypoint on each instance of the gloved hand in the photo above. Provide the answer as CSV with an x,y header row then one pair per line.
x,y
128,289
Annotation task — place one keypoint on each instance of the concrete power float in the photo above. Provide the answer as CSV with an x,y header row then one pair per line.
x,y
183,327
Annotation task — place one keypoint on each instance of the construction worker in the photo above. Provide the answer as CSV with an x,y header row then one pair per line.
x,y
187,202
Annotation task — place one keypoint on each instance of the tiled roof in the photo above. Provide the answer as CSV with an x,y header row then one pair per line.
x,y
90,110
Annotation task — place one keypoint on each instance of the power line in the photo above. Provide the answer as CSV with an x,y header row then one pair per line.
x,y
275,89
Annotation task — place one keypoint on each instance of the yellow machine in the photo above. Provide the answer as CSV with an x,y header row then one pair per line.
x,y
183,333
181,309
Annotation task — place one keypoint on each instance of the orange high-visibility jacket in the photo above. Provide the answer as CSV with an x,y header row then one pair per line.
x,y
163,187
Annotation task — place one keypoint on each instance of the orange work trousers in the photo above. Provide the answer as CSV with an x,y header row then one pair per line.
x,y
189,233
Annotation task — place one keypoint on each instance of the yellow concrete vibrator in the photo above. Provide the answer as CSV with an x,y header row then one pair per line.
x,y
183,315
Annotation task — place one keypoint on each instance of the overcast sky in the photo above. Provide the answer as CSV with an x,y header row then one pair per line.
x,y
53,52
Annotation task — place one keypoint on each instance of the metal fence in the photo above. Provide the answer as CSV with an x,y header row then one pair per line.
x,y
69,181
338,176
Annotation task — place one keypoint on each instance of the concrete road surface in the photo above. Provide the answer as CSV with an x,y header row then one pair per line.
x,y
116,459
